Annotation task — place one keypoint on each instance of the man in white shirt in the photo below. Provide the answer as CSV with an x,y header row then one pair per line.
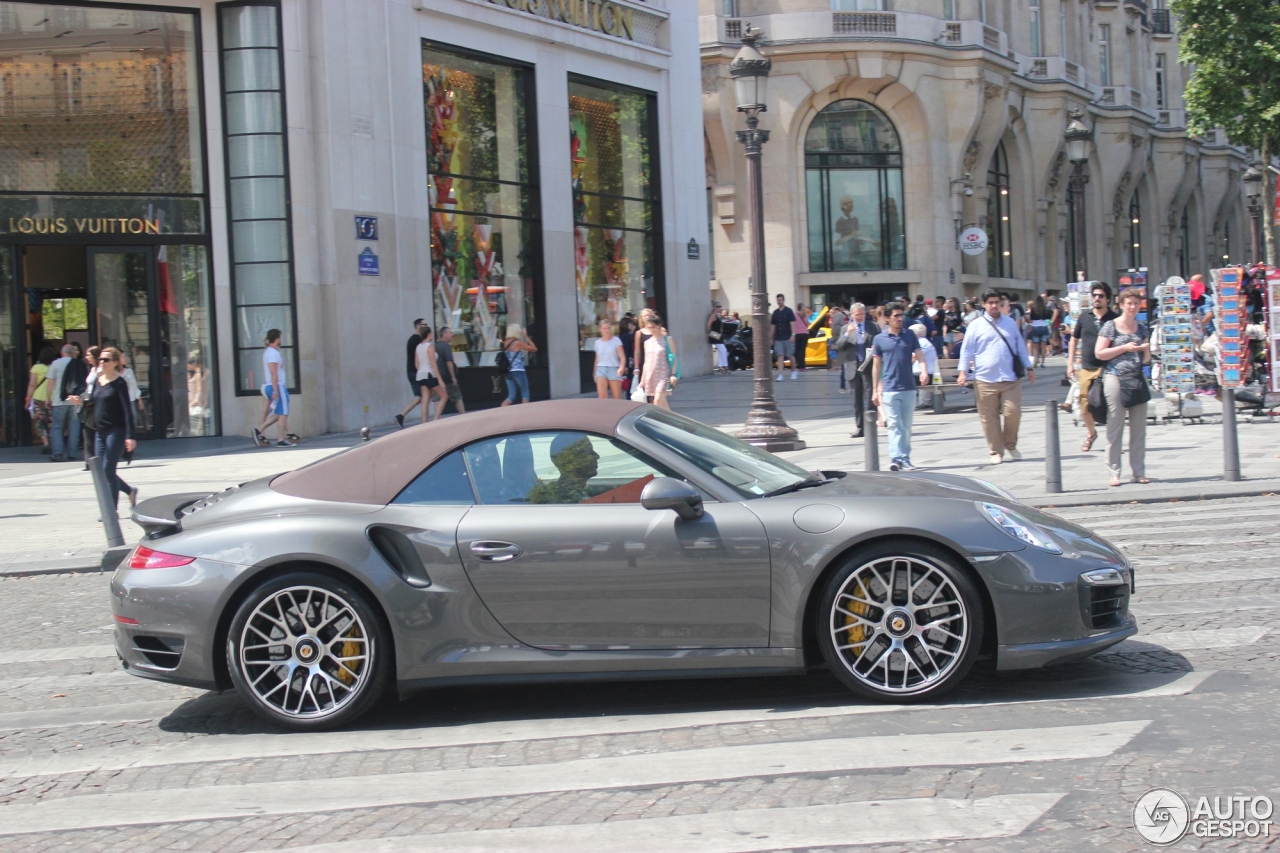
x,y
66,416
991,343
928,368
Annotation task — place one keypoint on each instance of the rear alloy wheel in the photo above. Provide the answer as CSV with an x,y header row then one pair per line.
x,y
900,621
306,651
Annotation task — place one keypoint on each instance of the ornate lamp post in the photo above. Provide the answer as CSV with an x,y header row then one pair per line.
x,y
765,426
1079,138
1253,190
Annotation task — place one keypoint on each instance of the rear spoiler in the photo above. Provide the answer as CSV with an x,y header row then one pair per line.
x,y
163,515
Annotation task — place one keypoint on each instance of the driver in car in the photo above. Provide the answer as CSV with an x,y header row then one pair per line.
x,y
577,461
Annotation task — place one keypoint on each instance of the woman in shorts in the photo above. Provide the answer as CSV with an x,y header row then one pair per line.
x,y
428,376
610,365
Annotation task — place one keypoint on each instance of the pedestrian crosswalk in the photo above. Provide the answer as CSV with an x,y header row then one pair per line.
x,y
146,767
842,755
875,822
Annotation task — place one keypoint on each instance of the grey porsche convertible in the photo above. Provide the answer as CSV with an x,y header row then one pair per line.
x,y
604,540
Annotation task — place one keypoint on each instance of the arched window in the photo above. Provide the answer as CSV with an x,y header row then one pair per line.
x,y
1000,245
1135,233
853,177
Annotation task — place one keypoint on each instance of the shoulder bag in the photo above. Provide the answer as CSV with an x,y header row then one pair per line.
x,y
1134,390
1097,403
1019,369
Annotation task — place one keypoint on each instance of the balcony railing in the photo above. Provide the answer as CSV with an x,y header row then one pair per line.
x,y
1161,22
799,27
864,23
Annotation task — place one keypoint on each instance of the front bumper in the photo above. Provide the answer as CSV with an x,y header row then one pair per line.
x,y
1034,655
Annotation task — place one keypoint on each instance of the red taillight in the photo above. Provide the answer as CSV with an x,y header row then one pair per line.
x,y
125,620
145,558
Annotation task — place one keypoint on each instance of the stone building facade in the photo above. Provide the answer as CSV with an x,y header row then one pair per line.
x,y
895,124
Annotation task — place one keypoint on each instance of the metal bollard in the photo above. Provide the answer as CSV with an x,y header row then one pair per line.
x,y
871,441
1052,450
106,503
1230,443
365,433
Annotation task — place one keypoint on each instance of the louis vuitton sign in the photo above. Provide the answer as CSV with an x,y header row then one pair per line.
x,y
82,225
601,16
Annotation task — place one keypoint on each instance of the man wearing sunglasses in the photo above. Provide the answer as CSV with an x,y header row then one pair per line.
x,y
1084,338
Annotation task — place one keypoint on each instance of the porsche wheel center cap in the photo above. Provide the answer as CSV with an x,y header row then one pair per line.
x,y
307,651
898,622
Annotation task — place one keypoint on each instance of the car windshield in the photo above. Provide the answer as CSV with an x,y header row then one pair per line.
x,y
748,470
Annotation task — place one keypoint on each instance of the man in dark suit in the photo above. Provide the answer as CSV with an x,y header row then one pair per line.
x,y
855,344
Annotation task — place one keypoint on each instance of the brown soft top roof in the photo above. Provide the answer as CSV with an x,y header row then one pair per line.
x,y
376,472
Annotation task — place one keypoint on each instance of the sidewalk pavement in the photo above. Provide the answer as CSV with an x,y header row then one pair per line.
x,y
48,513
1183,460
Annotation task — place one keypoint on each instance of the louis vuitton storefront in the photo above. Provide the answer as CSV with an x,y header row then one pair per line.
x,y
104,233
176,179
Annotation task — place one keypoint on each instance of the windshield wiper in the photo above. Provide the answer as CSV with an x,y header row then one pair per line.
x,y
795,487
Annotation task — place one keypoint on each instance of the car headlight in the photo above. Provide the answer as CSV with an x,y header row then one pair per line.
x,y
1002,492
1019,528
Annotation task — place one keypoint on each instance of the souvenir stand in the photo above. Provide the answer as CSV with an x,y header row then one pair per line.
x,y
1177,351
1232,345
1273,329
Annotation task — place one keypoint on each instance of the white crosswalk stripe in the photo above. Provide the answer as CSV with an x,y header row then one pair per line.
x,y
877,822
238,747
1008,746
1202,638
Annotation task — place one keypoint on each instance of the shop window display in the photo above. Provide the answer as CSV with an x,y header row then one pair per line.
x,y
615,208
853,179
483,195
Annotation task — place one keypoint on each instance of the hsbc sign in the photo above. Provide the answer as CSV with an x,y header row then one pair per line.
x,y
973,240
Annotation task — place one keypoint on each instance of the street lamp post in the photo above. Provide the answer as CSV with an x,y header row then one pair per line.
x,y
1253,190
1079,138
765,426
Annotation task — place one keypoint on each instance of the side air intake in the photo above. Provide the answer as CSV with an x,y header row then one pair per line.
x,y
400,554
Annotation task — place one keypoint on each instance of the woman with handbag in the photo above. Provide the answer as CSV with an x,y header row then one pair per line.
x,y
1125,345
659,357
108,394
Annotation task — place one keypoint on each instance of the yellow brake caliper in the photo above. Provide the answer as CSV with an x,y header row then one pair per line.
x,y
350,648
858,632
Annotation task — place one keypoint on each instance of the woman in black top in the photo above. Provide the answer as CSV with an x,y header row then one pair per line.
x,y
113,419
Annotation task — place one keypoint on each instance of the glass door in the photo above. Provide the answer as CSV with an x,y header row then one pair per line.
x,y
121,298
15,424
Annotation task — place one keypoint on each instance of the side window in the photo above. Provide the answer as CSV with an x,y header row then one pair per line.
x,y
445,482
561,467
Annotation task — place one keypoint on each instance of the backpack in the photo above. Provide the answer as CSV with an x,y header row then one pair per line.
x,y
502,360
74,378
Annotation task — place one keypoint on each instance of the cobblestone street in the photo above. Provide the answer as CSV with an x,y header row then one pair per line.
x,y
92,759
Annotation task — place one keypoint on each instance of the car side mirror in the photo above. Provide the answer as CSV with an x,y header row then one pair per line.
x,y
670,493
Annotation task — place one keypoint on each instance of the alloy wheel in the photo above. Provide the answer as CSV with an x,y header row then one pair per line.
x,y
899,625
305,652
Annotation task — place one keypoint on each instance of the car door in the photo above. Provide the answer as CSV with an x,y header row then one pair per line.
x,y
565,557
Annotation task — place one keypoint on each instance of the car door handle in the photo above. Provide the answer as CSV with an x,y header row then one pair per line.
x,y
490,551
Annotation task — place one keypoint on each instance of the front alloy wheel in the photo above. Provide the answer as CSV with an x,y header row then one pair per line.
x,y
900,621
306,651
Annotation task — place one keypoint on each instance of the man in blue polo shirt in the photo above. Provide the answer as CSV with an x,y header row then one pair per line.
x,y
894,350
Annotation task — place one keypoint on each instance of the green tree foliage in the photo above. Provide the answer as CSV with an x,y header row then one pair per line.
x,y
1234,48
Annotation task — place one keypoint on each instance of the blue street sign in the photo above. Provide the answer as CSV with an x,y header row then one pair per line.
x,y
366,228
368,262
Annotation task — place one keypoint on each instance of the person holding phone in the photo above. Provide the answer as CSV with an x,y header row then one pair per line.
x,y
1124,345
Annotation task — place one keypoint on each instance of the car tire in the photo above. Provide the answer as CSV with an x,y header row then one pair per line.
x,y
900,621
307,652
